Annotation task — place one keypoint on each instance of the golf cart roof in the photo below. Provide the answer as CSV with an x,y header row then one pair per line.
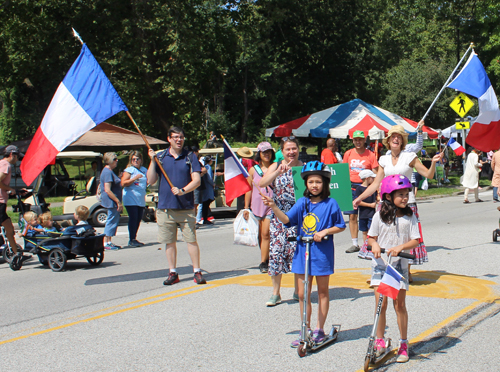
x,y
78,154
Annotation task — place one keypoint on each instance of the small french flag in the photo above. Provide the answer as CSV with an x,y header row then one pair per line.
x,y
235,175
390,284
455,146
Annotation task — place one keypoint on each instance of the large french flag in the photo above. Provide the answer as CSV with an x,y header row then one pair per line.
x,y
235,175
473,80
84,99
455,146
391,283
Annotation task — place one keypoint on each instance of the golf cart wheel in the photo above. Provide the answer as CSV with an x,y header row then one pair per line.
x,y
57,259
100,217
8,253
95,260
367,363
495,236
302,350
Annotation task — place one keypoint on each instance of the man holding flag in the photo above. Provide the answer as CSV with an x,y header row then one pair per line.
x,y
176,201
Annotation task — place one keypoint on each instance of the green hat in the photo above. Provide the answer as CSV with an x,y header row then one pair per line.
x,y
358,134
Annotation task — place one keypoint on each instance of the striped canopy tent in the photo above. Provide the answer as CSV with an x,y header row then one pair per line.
x,y
351,113
431,133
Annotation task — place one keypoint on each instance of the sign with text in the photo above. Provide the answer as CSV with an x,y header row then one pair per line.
x,y
340,185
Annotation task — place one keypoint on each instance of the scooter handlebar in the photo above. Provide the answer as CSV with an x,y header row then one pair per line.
x,y
303,238
400,254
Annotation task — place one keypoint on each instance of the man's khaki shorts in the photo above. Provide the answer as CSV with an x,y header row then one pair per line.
x,y
168,220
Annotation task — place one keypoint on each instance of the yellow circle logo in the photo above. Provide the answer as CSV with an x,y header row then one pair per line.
x,y
309,224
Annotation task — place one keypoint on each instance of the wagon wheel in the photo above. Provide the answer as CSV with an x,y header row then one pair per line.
x,y
95,260
8,253
57,259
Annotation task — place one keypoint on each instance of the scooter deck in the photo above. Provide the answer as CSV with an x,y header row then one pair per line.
x,y
330,338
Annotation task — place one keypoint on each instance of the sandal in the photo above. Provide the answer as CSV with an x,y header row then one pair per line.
x,y
466,201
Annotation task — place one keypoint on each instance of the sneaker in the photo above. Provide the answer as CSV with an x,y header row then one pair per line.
x,y
274,300
172,279
318,336
111,247
446,180
134,243
354,248
198,278
380,347
296,343
295,297
403,353
263,267
211,218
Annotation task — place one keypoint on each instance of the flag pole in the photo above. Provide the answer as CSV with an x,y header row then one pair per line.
x,y
77,36
447,81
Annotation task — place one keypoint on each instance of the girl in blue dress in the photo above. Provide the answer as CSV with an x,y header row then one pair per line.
x,y
317,215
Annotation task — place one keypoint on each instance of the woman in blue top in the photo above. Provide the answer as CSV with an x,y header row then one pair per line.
x,y
111,198
316,214
134,183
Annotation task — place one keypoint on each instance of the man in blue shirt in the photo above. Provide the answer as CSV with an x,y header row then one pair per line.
x,y
176,203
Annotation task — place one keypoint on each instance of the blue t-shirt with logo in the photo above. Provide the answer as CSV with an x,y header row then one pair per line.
x,y
135,194
310,219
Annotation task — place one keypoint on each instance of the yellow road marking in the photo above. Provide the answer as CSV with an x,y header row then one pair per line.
x,y
108,314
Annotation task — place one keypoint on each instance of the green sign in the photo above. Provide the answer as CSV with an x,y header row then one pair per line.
x,y
340,185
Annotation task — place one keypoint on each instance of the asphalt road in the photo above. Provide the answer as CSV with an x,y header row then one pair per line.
x,y
119,317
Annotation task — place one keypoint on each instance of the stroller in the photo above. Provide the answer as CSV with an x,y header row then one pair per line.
x,y
56,248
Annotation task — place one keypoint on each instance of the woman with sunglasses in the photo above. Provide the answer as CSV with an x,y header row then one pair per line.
x,y
134,183
279,177
111,198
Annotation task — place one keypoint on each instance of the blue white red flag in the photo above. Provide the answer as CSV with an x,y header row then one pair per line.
x,y
391,283
455,146
473,80
235,175
84,99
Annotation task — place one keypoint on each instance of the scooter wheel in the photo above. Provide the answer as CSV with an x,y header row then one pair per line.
x,y
301,350
367,363
495,235
16,263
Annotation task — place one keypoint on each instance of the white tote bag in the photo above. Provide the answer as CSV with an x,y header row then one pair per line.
x,y
246,232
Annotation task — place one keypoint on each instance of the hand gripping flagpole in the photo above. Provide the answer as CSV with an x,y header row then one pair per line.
x,y
75,34
447,81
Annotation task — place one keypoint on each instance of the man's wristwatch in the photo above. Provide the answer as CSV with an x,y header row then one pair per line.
x,y
183,191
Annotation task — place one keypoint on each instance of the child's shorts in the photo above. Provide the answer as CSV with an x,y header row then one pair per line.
x,y
398,263
364,224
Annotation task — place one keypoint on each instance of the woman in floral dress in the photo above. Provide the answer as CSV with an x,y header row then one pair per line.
x,y
279,176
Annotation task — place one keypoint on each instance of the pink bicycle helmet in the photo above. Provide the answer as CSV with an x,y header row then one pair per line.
x,y
394,182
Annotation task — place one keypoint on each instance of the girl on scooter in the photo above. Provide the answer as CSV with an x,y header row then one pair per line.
x,y
317,215
395,228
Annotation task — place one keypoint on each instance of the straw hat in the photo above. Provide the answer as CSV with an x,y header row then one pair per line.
x,y
399,130
245,152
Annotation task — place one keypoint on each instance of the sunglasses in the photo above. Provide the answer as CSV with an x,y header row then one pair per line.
x,y
291,138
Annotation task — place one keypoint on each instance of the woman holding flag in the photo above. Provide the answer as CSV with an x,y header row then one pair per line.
x,y
400,162
279,177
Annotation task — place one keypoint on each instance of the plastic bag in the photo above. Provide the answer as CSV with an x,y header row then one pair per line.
x,y
425,185
246,232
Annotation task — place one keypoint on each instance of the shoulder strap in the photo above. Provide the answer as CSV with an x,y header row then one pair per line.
x,y
258,169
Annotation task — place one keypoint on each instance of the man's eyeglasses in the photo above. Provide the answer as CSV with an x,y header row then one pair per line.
x,y
291,138
136,159
177,138
115,159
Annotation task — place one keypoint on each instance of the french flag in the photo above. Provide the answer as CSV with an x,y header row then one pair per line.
x,y
473,80
455,146
235,175
390,284
84,99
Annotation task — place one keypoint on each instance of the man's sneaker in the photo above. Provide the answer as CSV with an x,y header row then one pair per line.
x,y
198,278
379,347
111,247
403,353
318,336
134,243
274,300
263,267
172,279
354,248
211,218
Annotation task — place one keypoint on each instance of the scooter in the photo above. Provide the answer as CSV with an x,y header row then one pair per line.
x,y
371,357
307,343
